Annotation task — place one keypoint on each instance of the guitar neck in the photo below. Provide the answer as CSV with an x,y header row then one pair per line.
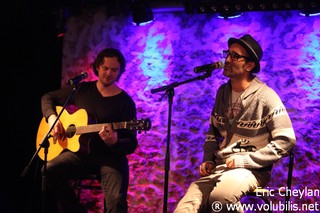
x,y
97,127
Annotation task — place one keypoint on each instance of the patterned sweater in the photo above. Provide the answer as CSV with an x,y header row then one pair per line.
x,y
259,135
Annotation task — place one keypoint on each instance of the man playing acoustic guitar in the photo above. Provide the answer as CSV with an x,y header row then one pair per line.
x,y
102,151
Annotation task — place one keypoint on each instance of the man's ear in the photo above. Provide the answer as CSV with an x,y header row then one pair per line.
x,y
250,65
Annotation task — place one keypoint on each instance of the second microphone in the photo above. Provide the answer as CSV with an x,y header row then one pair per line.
x,y
209,67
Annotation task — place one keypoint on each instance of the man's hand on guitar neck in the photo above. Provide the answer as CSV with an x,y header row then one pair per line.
x,y
58,131
108,135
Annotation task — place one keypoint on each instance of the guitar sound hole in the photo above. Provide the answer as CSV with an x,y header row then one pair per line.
x,y
70,131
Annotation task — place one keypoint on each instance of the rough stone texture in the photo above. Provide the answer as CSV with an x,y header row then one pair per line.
x,y
166,52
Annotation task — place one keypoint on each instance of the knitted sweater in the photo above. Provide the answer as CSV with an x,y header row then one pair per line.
x,y
259,135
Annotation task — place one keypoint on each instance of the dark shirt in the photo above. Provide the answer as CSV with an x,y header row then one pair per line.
x,y
100,109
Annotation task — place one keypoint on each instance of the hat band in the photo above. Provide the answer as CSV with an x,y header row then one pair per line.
x,y
250,48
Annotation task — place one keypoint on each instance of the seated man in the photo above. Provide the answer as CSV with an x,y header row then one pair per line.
x,y
250,130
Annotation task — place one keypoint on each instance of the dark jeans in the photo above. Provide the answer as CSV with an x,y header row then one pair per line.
x,y
67,165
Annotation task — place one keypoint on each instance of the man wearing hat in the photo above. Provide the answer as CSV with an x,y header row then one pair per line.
x,y
250,130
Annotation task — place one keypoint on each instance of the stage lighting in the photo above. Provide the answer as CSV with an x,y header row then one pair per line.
x,y
229,15
229,8
141,12
310,12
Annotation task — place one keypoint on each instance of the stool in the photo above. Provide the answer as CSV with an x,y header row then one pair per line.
x,y
265,192
80,183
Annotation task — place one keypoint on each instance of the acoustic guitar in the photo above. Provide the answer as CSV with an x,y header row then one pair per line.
x,y
76,124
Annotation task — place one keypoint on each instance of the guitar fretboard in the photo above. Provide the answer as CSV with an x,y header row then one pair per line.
x,y
97,127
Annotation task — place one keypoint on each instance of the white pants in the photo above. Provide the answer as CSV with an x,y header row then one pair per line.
x,y
224,186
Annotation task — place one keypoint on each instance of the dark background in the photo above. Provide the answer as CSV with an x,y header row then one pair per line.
x,y
32,66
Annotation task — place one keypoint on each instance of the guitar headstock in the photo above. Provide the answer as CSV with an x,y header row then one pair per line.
x,y
141,124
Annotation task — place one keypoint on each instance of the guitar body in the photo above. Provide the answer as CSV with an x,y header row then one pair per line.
x,y
69,121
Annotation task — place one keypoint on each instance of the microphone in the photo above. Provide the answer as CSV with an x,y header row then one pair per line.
x,y
209,67
77,79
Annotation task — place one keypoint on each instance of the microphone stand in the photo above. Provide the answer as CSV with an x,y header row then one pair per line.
x,y
169,90
45,144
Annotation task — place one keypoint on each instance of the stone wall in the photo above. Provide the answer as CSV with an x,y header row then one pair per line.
x,y
166,52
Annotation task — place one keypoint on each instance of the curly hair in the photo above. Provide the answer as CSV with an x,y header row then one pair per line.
x,y
109,52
